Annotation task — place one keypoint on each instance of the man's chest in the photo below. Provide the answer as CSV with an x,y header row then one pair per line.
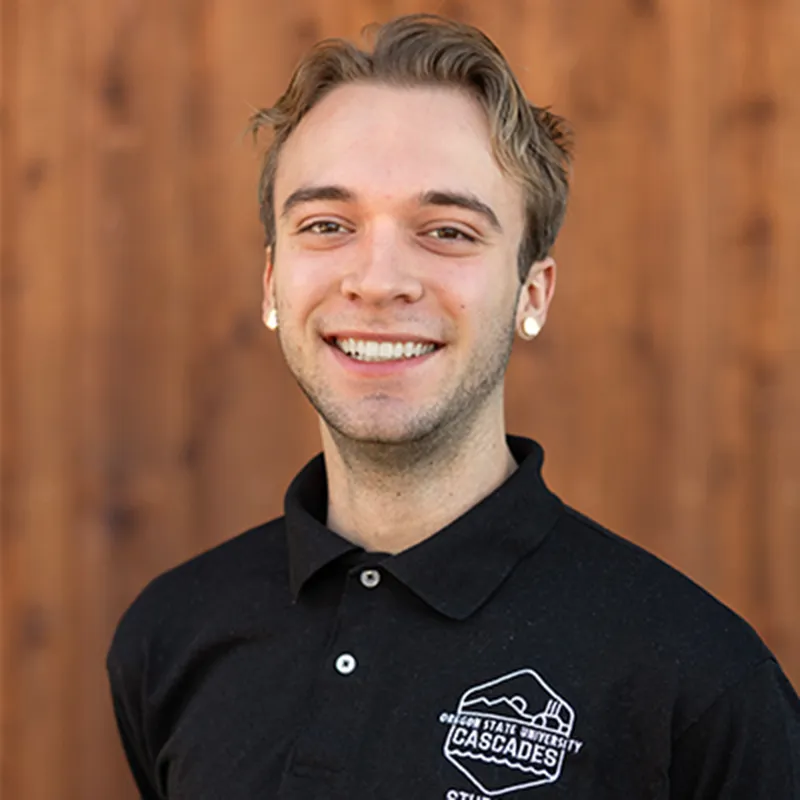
x,y
502,705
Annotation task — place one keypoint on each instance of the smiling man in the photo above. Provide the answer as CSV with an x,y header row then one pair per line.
x,y
427,619
393,272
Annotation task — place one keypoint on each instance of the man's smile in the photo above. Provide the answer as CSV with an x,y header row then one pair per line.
x,y
381,350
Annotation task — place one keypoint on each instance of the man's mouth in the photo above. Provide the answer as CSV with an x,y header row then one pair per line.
x,y
371,350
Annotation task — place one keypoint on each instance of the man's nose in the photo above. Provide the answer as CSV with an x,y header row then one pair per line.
x,y
382,269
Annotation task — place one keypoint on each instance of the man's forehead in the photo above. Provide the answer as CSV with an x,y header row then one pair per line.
x,y
371,96
367,120
407,142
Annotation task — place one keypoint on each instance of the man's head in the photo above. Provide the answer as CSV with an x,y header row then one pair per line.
x,y
529,143
410,198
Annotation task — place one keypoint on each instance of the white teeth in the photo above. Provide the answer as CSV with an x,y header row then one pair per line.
x,y
362,350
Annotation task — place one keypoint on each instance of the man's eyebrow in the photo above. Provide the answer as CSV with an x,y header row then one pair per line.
x,y
305,194
461,200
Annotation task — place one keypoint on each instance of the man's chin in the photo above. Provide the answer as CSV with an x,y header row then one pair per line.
x,y
371,432
377,435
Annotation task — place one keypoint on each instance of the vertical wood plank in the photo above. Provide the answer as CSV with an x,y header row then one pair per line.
x,y
687,321
137,302
40,311
7,53
781,516
743,125
94,578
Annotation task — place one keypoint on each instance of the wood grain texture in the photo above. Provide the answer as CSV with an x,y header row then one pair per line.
x,y
38,312
146,414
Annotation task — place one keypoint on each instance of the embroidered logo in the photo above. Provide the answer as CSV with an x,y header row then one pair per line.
x,y
511,733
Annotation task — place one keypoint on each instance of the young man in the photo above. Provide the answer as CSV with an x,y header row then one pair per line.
x,y
428,620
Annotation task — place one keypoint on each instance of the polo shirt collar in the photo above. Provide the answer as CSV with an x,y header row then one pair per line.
x,y
458,568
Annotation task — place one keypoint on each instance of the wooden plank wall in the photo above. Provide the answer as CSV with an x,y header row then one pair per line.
x,y
146,414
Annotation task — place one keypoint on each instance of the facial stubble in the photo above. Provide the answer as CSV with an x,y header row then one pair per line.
x,y
435,432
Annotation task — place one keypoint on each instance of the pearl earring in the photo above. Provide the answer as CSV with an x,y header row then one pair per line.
x,y
271,320
530,327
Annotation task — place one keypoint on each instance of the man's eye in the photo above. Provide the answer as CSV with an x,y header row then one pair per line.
x,y
448,233
323,226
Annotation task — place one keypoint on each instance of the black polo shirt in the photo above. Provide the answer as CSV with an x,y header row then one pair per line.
x,y
522,652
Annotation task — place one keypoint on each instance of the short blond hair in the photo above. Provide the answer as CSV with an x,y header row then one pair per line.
x,y
529,143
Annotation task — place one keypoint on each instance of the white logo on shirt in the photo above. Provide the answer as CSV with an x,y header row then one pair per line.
x,y
511,733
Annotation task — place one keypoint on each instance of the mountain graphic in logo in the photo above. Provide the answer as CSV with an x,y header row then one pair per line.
x,y
503,706
554,717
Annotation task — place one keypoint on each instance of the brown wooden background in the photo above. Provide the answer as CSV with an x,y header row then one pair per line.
x,y
146,414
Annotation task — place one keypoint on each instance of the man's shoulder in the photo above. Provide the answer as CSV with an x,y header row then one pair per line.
x,y
660,626
641,595
623,572
202,586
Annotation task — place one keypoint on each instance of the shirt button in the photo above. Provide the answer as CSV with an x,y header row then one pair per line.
x,y
345,664
370,578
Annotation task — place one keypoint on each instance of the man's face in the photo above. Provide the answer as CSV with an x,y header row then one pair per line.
x,y
394,267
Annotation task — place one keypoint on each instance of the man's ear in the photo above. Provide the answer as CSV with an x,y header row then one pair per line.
x,y
268,303
535,296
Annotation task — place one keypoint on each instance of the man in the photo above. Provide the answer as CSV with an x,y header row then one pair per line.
x,y
428,620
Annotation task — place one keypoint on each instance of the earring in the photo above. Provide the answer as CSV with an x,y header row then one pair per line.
x,y
530,328
271,320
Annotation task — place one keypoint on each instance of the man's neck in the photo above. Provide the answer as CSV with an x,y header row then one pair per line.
x,y
385,507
